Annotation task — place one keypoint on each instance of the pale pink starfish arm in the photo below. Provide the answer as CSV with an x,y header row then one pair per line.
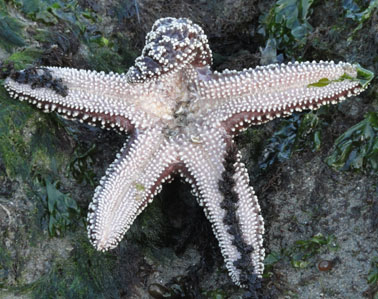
x,y
107,100
229,202
258,95
128,186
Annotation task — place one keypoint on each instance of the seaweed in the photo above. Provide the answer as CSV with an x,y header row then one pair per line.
x,y
295,134
61,211
10,30
81,165
302,253
286,25
373,272
357,148
359,15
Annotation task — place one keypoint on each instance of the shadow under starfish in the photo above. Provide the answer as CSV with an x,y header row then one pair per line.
x,y
182,117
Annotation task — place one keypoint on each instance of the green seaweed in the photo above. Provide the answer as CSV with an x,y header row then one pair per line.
x,y
215,294
5,265
105,59
364,77
10,30
140,187
110,53
14,150
356,13
107,52
304,250
25,57
27,144
302,253
36,10
86,273
52,12
286,24
81,165
357,148
373,272
61,210
295,134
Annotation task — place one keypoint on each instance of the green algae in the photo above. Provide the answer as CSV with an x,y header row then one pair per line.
x,y
286,25
364,77
61,210
51,12
14,150
296,134
86,273
27,144
105,59
215,294
357,148
5,265
359,15
10,30
29,149
25,57
81,165
372,278
302,253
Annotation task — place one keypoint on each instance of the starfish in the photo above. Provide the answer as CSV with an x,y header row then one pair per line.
x,y
181,118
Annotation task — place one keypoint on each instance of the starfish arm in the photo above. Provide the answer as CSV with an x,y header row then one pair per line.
x,y
258,95
229,203
94,97
128,186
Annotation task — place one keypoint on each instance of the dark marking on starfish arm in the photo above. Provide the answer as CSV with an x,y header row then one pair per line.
x,y
128,186
93,97
219,179
251,251
36,77
258,95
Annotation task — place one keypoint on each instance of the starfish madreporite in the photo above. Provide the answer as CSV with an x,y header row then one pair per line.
x,y
181,118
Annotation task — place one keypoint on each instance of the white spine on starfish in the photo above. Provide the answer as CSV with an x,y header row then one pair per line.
x,y
204,161
128,185
275,90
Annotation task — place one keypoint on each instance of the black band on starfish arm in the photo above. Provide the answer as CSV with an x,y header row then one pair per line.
x,y
36,77
247,273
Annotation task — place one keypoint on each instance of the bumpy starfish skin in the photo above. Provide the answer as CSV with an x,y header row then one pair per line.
x,y
181,118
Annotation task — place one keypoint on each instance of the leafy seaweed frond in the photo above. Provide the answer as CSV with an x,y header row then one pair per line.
x,y
357,148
